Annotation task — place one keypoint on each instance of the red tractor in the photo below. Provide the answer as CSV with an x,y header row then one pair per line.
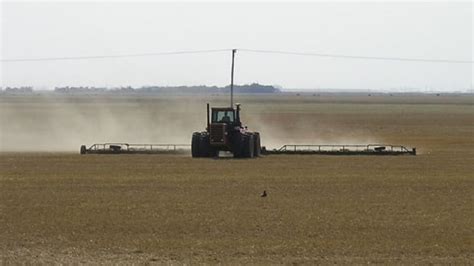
x,y
225,132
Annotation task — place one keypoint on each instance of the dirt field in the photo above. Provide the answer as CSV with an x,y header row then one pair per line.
x,y
63,207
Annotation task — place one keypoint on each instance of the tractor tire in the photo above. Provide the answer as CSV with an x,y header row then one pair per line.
x,y
205,148
237,146
251,153
257,147
248,146
83,149
195,145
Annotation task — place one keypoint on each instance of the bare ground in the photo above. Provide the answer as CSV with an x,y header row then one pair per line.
x,y
67,208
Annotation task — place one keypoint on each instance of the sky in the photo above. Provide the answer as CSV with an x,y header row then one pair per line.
x,y
427,30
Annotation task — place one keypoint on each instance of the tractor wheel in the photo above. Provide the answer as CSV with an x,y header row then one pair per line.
x,y
83,149
238,146
205,146
251,153
248,145
195,145
257,147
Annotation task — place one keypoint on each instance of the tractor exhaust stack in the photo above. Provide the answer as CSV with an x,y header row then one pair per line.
x,y
208,122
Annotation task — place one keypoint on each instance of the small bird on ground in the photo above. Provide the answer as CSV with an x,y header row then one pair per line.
x,y
264,194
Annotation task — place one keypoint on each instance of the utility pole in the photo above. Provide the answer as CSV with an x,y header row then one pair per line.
x,y
232,80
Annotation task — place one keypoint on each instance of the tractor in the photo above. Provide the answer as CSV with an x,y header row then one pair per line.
x,y
224,132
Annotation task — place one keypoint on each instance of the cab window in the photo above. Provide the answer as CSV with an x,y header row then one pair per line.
x,y
223,116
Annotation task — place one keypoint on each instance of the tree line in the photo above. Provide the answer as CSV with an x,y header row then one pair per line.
x,y
247,88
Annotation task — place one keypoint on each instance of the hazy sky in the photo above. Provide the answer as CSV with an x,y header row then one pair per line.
x,y
419,30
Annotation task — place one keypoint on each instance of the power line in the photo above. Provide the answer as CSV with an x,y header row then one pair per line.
x,y
112,56
359,57
342,56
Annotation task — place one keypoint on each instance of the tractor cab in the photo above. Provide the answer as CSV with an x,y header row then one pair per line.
x,y
226,115
223,116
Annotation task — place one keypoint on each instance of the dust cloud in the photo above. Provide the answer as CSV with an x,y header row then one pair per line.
x,y
62,123
65,123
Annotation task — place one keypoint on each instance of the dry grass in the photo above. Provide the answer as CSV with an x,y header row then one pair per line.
x,y
63,207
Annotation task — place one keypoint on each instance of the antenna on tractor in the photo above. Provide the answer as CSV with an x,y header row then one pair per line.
x,y
232,80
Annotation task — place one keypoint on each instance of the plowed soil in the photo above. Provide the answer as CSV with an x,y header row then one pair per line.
x,y
61,207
